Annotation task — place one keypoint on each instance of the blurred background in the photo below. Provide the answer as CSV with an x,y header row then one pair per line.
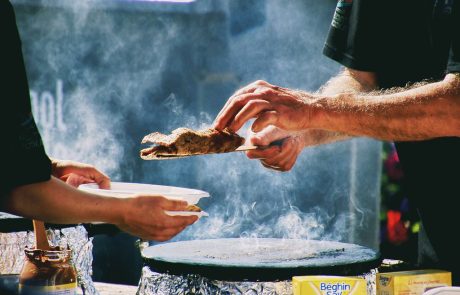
x,y
104,73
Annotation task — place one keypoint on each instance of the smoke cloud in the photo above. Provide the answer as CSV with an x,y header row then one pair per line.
x,y
130,69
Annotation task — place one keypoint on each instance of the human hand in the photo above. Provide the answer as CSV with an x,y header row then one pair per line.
x,y
270,105
280,158
283,158
144,217
76,173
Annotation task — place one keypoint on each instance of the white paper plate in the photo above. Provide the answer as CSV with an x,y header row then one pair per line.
x,y
123,189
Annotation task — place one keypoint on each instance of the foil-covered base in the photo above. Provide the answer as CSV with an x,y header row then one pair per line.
x,y
153,283
12,247
371,281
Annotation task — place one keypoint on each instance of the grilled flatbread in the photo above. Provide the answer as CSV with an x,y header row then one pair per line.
x,y
185,142
193,208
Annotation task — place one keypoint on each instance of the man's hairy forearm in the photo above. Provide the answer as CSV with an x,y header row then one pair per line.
x,y
347,81
54,201
428,111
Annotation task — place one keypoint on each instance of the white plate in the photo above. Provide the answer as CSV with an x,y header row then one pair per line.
x,y
123,189
187,213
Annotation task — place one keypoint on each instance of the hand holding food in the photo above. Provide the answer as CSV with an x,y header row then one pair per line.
x,y
185,142
270,105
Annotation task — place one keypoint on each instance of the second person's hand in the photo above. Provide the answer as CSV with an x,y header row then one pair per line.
x,y
283,158
76,173
277,157
144,216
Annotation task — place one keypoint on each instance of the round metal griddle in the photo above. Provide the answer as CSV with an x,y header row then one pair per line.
x,y
259,259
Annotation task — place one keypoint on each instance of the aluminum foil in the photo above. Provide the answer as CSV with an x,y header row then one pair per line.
x,y
371,281
153,283
12,247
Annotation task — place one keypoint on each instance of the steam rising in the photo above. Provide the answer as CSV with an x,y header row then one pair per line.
x,y
127,73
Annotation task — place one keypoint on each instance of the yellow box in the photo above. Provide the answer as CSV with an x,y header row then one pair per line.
x,y
414,282
328,285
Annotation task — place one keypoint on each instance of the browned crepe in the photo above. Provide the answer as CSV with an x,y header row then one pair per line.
x,y
193,208
184,142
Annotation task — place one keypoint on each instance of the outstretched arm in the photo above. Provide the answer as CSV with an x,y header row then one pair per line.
x,y
55,201
415,113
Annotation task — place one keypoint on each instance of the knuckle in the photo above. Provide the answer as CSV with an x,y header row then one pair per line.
x,y
238,101
260,82
160,200
266,91
252,103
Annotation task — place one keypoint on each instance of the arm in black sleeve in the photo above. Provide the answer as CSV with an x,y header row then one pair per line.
x,y
453,65
352,38
22,155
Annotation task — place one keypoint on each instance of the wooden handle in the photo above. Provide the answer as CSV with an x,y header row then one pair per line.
x,y
246,148
243,148
41,240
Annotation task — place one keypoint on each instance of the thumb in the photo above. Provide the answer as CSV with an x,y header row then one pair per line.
x,y
267,136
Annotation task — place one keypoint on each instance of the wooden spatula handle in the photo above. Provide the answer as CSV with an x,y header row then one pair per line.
x,y
41,240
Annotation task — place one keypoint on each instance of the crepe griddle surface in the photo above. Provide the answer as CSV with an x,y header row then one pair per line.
x,y
259,259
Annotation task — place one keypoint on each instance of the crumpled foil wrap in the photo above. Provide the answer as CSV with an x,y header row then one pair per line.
x,y
371,281
153,283
12,247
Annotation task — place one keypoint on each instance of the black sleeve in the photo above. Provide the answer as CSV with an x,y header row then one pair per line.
x,y
352,38
22,155
453,65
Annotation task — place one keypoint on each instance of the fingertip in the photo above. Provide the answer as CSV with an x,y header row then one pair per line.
x,y
219,124
234,127
255,128
258,125
105,183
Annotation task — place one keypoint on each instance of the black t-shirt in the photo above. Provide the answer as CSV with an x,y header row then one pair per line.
x,y
405,42
22,157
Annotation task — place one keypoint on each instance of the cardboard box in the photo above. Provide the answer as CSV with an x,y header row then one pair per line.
x,y
328,285
411,282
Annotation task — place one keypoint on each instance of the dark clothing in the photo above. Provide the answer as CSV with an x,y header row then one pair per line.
x,y
405,42
23,158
